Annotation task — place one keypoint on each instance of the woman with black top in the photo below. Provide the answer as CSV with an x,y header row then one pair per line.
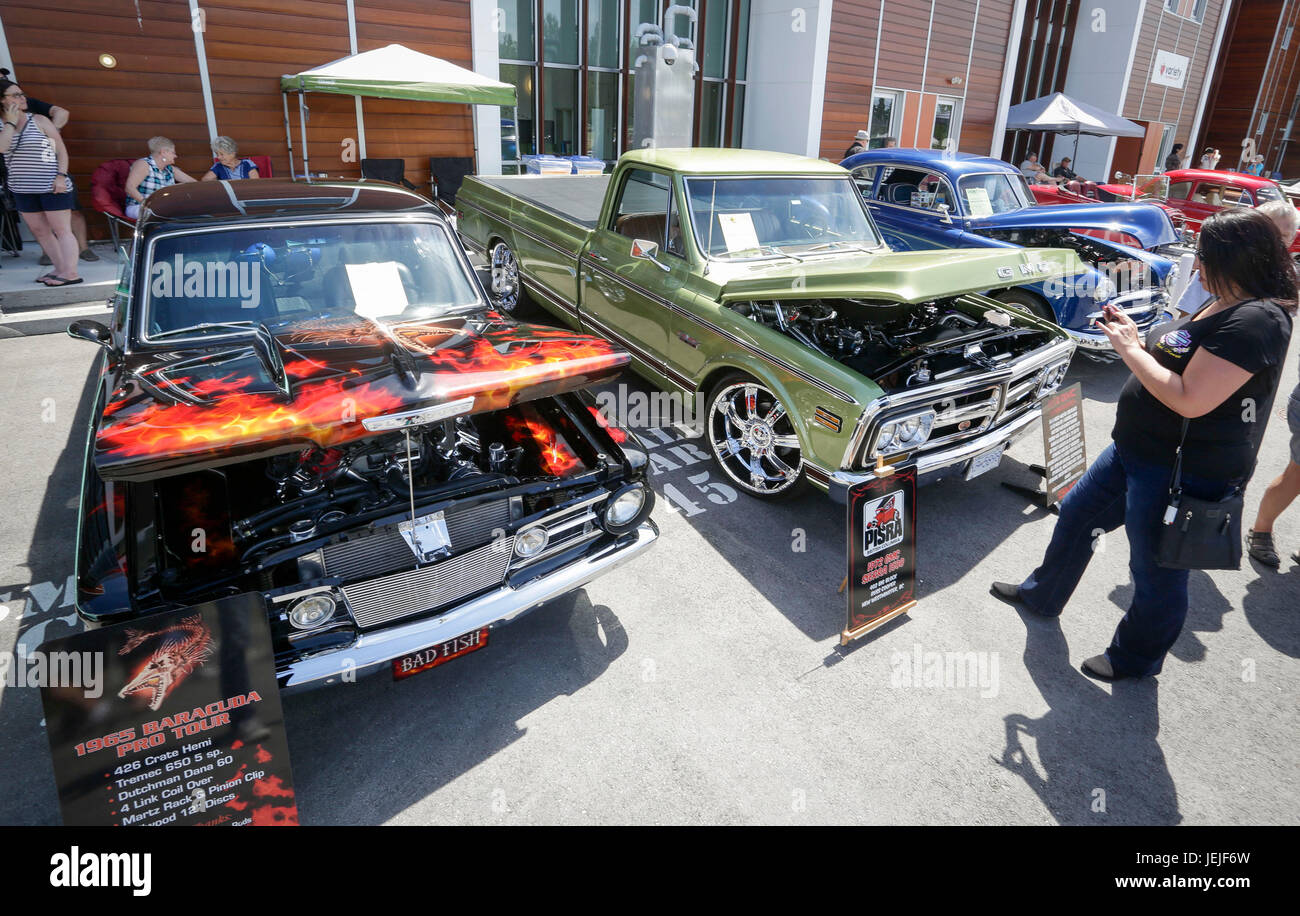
x,y
1218,368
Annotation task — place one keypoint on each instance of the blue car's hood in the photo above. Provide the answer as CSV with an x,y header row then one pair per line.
x,y
1147,223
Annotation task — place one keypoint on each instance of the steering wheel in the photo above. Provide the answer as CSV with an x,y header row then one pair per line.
x,y
814,218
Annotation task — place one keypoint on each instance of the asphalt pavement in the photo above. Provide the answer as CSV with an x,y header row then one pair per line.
x,y
703,682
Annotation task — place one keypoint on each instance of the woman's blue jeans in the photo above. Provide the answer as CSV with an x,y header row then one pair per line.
x,y
1121,490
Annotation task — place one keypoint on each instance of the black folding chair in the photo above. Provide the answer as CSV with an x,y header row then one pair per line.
x,y
445,176
390,170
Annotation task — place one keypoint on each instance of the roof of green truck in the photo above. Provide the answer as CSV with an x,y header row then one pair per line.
x,y
721,161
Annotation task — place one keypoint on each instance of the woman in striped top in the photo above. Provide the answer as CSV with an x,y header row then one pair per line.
x,y
157,170
37,162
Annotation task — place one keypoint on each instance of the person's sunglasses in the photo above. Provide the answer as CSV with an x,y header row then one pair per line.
x,y
15,95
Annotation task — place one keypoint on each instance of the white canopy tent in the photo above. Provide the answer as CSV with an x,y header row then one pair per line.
x,y
391,72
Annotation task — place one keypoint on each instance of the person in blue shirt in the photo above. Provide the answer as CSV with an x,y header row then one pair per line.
x,y
229,167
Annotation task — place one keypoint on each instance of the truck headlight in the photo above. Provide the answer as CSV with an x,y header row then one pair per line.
x,y
904,434
312,611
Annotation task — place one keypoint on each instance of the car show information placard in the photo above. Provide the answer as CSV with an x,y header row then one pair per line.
x,y
184,726
1065,459
882,551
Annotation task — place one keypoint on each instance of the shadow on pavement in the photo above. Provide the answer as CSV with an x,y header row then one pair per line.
x,y
1272,606
1098,758
363,753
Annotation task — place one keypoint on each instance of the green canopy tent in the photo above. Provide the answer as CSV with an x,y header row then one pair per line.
x,y
392,72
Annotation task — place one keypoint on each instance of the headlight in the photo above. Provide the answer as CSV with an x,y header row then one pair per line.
x,y
1105,289
624,507
531,541
904,434
312,611
1172,277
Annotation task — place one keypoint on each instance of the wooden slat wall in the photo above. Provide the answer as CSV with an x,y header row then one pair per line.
x,y
155,88
1164,31
855,25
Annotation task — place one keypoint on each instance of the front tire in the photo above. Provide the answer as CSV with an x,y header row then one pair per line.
x,y
1029,302
754,439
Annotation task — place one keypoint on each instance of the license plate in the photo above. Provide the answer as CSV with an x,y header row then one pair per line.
x,y
984,462
437,655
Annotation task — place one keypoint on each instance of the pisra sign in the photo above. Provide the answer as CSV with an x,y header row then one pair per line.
x,y
1169,69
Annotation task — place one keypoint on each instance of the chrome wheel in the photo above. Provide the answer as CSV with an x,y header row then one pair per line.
x,y
754,439
505,277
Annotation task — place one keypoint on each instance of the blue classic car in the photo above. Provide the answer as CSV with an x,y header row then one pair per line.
x,y
925,199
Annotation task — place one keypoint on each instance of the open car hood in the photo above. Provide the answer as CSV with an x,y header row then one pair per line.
x,y
315,382
1148,223
903,276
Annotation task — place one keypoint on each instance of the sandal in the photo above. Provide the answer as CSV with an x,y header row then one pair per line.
x,y
1260,546
60,281
43,277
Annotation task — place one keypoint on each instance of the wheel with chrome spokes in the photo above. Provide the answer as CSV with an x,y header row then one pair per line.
x,y
505,289
754,439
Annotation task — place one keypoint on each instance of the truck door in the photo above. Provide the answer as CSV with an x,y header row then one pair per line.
x,y
628,270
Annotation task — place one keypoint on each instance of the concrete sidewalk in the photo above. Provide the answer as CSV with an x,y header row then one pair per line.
x,y
19,290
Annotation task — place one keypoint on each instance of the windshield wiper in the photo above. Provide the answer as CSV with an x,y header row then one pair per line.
x,y
840,246
204,326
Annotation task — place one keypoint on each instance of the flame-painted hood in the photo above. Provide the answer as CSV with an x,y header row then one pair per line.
x,y
315,381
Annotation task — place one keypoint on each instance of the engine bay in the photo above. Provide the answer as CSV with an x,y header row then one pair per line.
x,y
900,345
1128,274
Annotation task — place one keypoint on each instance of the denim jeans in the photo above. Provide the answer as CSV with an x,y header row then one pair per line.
x,y
1120,490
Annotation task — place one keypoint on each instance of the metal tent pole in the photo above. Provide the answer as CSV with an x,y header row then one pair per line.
x,y
288,133
302,127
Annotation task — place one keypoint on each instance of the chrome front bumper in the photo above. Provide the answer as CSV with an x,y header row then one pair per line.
x,y
931,464
375,649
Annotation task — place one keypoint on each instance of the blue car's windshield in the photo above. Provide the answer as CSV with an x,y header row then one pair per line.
x,y
994,192
761,216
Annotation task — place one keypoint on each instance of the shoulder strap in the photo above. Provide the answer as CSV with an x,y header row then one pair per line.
x,y
1176,479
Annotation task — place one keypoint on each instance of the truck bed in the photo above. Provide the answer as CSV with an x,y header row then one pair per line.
x,y
577,198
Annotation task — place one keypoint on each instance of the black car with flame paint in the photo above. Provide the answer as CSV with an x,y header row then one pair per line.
x,y
304,394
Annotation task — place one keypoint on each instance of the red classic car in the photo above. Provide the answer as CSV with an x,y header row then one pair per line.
x,y
1200,193
1050,195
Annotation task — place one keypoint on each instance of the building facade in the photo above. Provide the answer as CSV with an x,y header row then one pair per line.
x,y
799,76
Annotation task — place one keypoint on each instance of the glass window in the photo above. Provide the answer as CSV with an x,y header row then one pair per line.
x,y
711,113
760,217
1268,192
737,116
518,136
1178,190
884,107
560,120
911,188
560,31
984,195
742,43
516,39
714,51
602,33
946,122
642,211
864,176
602,115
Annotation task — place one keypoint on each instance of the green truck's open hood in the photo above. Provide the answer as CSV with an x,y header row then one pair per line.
x,y
910,276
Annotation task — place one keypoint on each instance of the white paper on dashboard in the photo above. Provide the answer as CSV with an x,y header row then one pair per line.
x,y
977,200
738,231
377,289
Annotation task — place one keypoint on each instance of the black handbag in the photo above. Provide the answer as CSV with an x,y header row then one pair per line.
x,y
1199,533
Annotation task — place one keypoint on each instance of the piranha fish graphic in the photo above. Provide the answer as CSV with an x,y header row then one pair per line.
x,y
886,512
182,647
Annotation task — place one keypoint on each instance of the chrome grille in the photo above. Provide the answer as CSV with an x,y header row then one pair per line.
x,y
386,552
404,594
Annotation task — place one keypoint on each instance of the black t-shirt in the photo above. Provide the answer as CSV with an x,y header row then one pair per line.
x,y
1062,172
1222,443
36,106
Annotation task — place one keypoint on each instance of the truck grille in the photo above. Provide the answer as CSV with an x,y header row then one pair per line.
x,y
386,552
379,601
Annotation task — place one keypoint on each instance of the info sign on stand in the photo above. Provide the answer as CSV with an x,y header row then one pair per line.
x,y
881,550
183,727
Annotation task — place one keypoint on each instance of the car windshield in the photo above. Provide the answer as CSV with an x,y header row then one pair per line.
x,y
760,217
204,284
994,192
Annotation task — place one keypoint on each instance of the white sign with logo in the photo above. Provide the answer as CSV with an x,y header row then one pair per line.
x,y
1169,69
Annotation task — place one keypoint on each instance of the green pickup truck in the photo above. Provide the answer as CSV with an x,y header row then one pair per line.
x,y
760,281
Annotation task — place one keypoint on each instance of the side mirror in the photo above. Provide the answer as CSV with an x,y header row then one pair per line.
x,y
945,214
645,251
93,331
